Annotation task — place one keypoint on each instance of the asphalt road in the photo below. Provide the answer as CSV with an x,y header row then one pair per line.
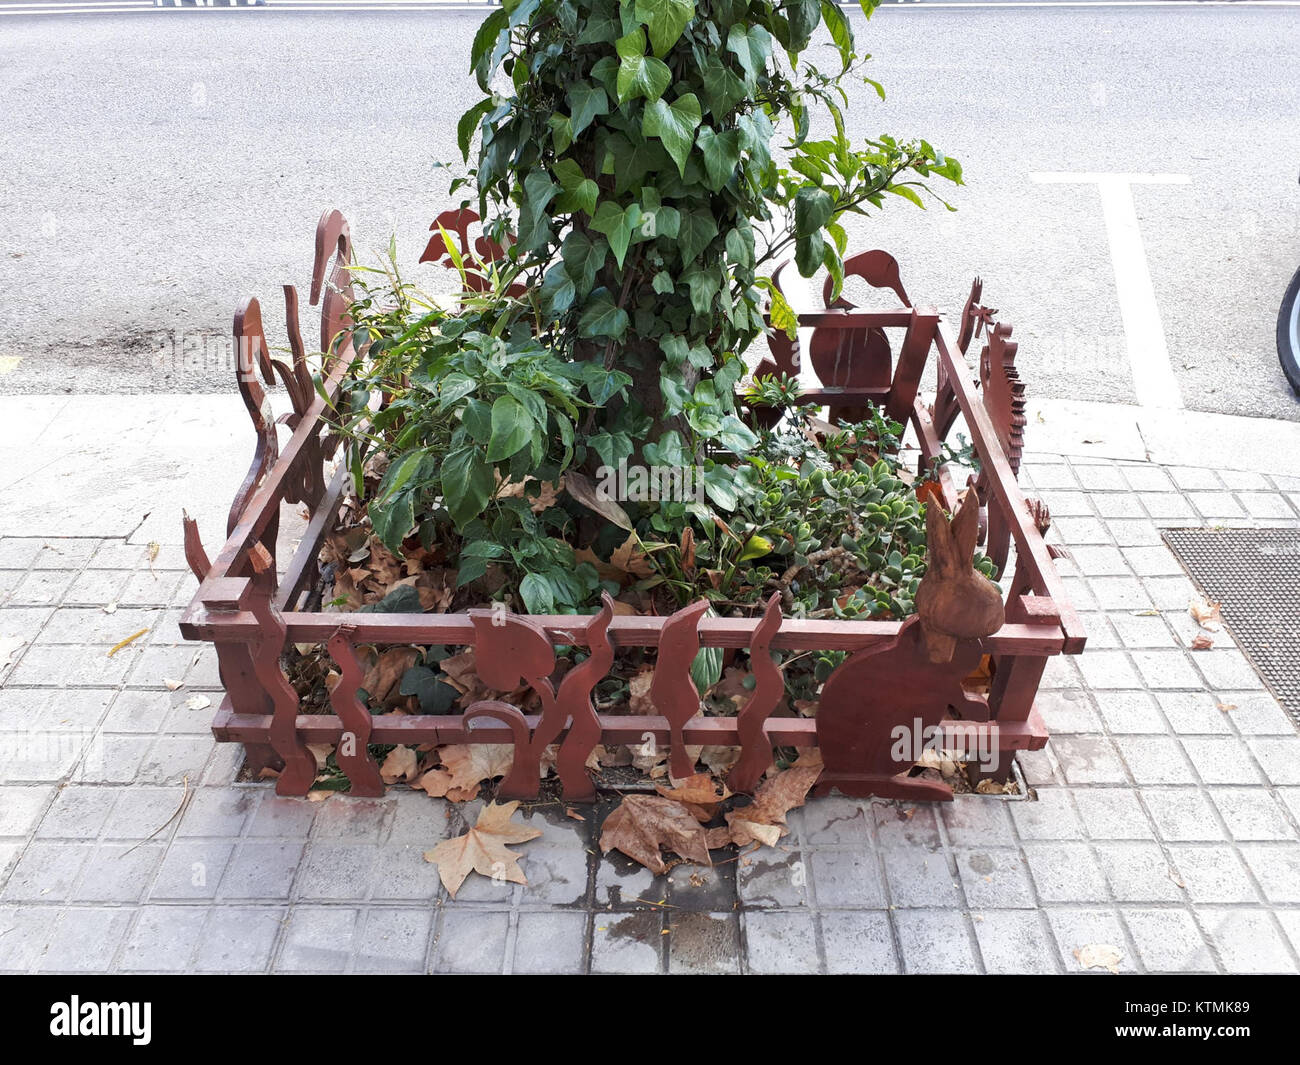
x,y
158,168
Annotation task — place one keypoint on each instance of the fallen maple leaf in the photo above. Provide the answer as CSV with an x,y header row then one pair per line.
x,y
774,799
1201,642
483,849
400,764
700,794
631,559
642,824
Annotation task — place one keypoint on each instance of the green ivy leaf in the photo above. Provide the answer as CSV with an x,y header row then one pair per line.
x,y
638,73
618,224
674,124
580,192
721,155
601,318
697,229
558,291
665,19
586,103
583,258
752,46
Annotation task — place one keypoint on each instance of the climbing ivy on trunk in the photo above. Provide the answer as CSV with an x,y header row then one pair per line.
x,y
629,147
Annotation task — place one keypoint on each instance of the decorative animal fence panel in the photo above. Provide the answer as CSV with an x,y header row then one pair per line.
x,y
897,674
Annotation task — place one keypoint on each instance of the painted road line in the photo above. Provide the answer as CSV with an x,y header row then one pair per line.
x,y
1154,382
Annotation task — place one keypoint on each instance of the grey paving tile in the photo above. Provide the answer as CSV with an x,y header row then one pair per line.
x,y
164,939
843,878
935,941
21,808
401,873
118,872
773,880
557,875
1276,868
858,941
217,812
905,825
261,871
1221,760
1052,816
239,938
973,821
994,877
1182,814
703,942
1168,941
1090,759
1155,760
1130,712
551,942
360,820
1252,814
393,940
1138,871
622,883
781,942
1112,813
47,872
472,941
335,871
283,817
1166,669
833,821
919,878
319,939
1247,940
1254,713
1212,873
1109,669
1065,872
192,869
1279,757
1077,928
1015,941
627,942
24,934
85,939
1194,713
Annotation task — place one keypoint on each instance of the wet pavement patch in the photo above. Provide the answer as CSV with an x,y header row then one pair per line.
x,y
1254,575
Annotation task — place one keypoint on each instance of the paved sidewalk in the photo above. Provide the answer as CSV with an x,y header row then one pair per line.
x,y
1165,820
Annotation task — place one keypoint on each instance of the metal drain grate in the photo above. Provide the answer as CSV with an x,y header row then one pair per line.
x,y
1254,574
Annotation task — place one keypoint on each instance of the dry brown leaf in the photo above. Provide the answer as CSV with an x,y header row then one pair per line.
x,y
483,849
1201,642
583,490
172,685
775,797
401,764
197,702
384,674
438,784
642,824
1206,614
629,558
719,759
1099,956
638,692
700,794
471,763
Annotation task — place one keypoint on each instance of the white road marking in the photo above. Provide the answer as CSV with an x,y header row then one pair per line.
x,y
1144,333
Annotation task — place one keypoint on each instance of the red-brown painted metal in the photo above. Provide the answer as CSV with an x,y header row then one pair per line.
x,y
898,675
